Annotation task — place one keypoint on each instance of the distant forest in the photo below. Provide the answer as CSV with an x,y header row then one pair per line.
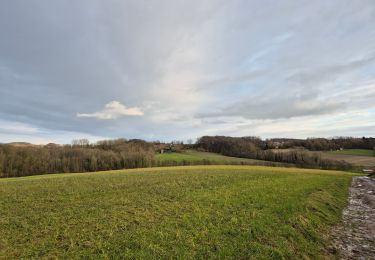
x,y
81,156
219,144
23,160
322,144
271,150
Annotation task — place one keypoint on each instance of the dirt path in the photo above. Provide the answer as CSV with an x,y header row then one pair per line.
x,y
355,238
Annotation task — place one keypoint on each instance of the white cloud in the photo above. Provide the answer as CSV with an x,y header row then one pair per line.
x,y
113,110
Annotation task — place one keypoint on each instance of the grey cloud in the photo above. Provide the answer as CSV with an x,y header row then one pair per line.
x,y
277,108
255,59
322,74
230,80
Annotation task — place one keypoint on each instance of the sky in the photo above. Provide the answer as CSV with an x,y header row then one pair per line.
x,y
176,70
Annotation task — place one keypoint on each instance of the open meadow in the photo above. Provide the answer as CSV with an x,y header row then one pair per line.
x,y
198,157
172,212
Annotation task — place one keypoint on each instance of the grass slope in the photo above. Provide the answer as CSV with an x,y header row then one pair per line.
x,y
356,152
193,156
186,212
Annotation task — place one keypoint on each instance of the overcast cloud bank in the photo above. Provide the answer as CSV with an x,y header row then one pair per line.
x,y
177,69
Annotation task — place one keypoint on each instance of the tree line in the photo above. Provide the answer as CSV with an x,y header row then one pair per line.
x,y
322,144
312,144
255,148
16,161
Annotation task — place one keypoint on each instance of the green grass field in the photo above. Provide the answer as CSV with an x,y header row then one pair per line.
x,y
173,212
357,152
193,156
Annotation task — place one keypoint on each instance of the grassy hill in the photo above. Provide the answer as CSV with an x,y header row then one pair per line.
x,y
198,157
185,212
193,155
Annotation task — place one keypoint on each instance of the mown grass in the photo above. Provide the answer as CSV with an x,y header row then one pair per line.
x,y
174,212
357,152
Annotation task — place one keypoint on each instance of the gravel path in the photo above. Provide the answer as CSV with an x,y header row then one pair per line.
x,y
355,238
